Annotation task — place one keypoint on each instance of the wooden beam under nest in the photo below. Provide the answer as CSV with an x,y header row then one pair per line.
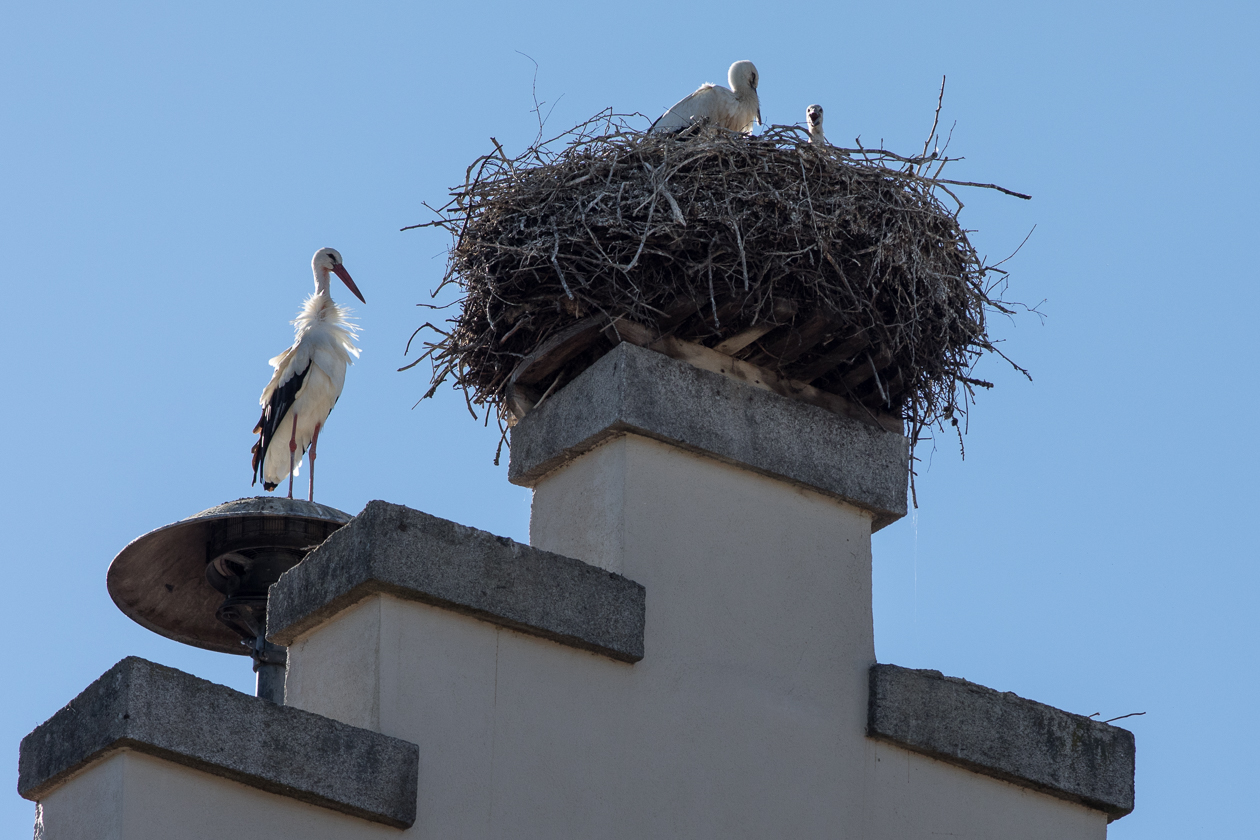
x,y
566,345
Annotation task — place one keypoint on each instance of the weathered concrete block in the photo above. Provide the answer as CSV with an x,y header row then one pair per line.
x,y
143,706
412,555
1003,735
636,390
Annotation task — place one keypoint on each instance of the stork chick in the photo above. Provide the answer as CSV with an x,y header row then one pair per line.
x,y
813,119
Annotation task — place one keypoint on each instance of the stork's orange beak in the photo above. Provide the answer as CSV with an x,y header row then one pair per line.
x,y
345,278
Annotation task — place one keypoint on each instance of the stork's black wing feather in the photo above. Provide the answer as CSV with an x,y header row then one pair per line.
x,y
281,399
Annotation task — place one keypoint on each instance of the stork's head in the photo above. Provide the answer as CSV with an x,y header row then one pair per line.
x,y
743,77
326,260
813,116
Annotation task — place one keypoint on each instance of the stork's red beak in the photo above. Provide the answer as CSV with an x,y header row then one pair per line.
x,y
345,278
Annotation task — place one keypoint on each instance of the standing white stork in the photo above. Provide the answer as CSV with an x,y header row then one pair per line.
x,y
733,108
813,119
308,380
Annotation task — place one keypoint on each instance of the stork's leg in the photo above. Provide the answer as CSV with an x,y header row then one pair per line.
x,y
292,450
310,495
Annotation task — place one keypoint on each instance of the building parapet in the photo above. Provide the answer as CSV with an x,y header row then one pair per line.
x,y
394,550
639,391
1005,736
150,708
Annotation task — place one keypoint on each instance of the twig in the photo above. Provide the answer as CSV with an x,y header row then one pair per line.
x,y
984,186
1013,253
554,262
542,121
935,120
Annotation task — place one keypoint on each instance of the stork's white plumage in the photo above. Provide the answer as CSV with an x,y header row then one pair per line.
x,y
308,379
735,108
813,119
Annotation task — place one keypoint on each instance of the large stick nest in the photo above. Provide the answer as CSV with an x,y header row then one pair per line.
x,y
841,268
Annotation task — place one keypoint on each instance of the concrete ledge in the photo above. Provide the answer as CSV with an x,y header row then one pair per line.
x,y
168,714
636,390
402,552
1005,736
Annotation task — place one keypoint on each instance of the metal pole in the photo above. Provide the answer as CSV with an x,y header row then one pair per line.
x,y
269,664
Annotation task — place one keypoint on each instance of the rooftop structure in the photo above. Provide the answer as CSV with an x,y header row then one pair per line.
x,y
685,649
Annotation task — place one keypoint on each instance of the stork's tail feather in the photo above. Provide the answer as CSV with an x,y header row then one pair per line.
x,y
257,452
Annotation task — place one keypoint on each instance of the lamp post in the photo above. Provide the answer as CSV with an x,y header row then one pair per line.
x,y
203,580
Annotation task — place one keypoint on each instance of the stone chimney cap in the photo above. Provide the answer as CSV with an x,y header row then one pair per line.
x,y
638,391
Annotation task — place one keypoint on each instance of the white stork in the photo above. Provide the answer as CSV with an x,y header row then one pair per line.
x,y
733,108
813,119
308,380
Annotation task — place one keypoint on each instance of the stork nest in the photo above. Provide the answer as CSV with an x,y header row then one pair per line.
x,y
842,269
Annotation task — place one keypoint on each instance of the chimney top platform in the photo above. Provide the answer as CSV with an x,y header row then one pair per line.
x,y
632,390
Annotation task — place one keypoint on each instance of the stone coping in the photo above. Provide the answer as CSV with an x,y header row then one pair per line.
x,y
634,390
153,709
402,552
1005,736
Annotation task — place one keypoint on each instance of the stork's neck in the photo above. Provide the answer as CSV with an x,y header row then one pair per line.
x,y
321,281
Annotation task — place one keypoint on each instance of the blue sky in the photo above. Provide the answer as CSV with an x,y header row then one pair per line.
x,y
169,171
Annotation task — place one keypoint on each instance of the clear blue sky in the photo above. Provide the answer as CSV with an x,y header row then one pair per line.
x,y
168,171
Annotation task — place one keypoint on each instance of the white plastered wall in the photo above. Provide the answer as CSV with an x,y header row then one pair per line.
x,y
133,796
913,796
745,718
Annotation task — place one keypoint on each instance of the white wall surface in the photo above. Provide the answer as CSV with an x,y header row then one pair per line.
x,y
913,796
133,796
746,718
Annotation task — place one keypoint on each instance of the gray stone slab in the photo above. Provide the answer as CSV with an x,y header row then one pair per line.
x,y
152,709
635,390
1006,736
402,552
